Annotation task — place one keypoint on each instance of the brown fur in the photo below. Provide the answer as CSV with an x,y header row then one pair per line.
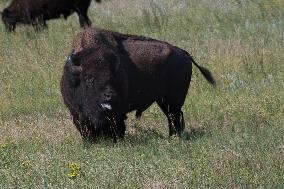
x,y
36,12
149,71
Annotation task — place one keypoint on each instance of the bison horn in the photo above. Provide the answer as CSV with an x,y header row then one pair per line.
x,y
69,60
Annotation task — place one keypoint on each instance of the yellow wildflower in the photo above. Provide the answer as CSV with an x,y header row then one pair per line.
x,y
25,163
73,175
3,145
75,170
74,166
226,82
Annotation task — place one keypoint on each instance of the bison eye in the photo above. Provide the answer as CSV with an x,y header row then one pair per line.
x,y
89,79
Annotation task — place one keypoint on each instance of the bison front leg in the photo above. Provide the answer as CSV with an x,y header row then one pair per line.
x,y
121,127
117,128
83,126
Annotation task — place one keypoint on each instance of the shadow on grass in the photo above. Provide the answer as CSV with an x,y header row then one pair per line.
x,y
195,134
137,136
146,136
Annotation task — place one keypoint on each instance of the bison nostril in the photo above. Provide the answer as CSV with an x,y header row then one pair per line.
x,y
107,96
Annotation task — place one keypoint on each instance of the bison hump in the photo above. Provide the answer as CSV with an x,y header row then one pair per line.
x,y
147,55
93,36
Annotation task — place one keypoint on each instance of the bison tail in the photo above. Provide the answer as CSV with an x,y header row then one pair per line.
x,y
205,72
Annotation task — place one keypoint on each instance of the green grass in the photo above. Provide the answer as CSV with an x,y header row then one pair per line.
x,y
234,134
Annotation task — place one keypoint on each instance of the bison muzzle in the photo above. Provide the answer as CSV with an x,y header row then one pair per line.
x,y
121,73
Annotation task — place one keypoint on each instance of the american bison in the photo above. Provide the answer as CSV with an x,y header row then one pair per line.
x,y
109,74
36,12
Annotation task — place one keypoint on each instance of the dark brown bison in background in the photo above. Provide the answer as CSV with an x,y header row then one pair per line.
x,y
36,12
110,74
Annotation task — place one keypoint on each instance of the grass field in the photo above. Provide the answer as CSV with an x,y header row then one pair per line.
x,y
234,134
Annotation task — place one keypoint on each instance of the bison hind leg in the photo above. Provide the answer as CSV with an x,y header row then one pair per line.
x,y
39,24
174,115
10,27
83,16
85,22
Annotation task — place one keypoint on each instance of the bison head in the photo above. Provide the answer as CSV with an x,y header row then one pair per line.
x,y
95,76
9,20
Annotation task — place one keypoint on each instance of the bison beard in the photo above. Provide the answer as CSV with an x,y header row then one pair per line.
x,y
110,74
